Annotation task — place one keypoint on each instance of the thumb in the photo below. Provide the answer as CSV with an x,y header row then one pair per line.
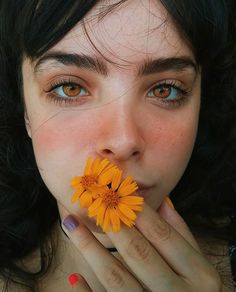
x,y
78,283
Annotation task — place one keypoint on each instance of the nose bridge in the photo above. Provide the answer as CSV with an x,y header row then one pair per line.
x,y
121,137
124,118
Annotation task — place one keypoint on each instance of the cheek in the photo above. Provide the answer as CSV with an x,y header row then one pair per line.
x,y
61,147
65,137
179,139
171,146
51,141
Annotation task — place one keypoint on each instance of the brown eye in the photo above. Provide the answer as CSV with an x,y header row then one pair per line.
x,y
71,90
162,91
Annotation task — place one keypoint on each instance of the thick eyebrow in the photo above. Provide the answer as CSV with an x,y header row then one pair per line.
x,y
167,64
80,61
94,64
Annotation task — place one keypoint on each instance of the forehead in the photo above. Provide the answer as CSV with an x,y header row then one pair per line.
x,y
125,33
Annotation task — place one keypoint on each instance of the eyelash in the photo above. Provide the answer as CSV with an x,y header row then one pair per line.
x,y
171,84
182,93
53,96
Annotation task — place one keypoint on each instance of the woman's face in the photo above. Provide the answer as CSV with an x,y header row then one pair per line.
x,y
126,89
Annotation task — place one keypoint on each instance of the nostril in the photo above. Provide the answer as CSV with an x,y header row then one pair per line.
x,y
107,151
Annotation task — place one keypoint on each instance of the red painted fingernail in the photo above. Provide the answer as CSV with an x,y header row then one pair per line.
x,y
73,279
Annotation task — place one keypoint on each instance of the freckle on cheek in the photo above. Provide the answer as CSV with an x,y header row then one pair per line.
x,y
68,141
182,144
175,143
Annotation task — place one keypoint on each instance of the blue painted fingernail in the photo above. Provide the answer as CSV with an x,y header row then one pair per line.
x,y
70,223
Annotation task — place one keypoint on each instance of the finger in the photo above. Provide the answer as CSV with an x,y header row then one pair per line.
x,y
144,260
170,244
171,216
78,283
109,270
159,255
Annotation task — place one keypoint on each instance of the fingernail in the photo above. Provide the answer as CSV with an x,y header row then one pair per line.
x,y
70,223
73,279
169,202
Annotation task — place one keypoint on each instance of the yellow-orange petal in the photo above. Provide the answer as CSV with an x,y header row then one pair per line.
x,y
116,179
95,205
115,220
127,190
101,214
106,177
76,195
127,211
97,188
93,213
132,200
109,167
75,182
88,166
95,195
95,165
128,180
107,221
135,207
124,219
103,164
85,200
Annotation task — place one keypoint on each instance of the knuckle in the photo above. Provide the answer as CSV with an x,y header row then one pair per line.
x,y
212,280
159,230
85,242
114,276
140,249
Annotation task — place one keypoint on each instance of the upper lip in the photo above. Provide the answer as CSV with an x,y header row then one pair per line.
x,y
142,186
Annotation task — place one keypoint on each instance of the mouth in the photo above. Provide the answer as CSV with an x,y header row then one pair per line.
x,y
144,190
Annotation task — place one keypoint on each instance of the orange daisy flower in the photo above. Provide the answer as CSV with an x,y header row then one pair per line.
x,y
92,181
115,203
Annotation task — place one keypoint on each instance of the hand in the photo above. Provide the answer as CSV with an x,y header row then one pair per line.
x,y
160,252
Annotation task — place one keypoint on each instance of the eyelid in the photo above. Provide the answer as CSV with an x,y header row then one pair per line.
x,y
64,79
174,82
183,94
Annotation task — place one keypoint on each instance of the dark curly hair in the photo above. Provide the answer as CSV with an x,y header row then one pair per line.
x,y
205,195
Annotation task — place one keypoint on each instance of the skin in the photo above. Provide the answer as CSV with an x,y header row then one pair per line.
x,y
146,138
154,149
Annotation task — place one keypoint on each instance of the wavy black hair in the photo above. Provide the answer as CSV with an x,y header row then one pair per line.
x,y
205,195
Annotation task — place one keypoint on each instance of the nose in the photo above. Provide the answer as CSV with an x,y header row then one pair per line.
x,y
121,135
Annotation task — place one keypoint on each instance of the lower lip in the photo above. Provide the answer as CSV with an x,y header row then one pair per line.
x,y
143,192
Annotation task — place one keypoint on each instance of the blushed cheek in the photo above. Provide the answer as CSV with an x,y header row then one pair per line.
x,y
181,144
67,141
172,147
181,139
62,144
61,147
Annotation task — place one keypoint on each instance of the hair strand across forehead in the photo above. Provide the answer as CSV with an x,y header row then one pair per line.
x,y
206,192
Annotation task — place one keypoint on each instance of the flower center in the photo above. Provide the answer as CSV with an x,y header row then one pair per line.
x,y
88,180
111,198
